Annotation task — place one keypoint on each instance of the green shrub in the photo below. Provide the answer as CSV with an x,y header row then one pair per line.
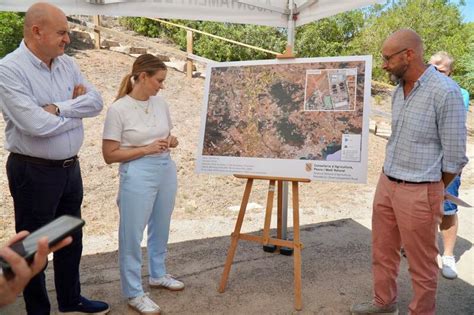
x,y
261,36
438,22
11,31
358,32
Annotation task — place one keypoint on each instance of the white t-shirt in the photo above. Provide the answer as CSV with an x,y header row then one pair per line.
x,y
137,123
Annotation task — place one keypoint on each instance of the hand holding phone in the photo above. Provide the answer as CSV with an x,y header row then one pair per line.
x,y
55,232
21,271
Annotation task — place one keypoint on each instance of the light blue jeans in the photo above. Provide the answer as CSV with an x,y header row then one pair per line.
x,y
146,197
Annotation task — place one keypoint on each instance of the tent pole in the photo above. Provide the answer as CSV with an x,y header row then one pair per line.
x,y
290,32
291,25
288,54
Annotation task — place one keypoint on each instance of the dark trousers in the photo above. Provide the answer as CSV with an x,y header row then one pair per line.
x,y
41,194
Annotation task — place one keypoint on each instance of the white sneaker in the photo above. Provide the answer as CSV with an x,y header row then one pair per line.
x,y
168,282
144,305
449,267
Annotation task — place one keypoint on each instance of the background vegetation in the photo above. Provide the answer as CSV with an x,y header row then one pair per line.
x,y
359,32
11,31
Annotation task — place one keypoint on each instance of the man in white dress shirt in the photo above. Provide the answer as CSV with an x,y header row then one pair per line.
x,y
44,98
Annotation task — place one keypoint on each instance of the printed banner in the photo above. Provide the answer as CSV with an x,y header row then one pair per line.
x,y
300,118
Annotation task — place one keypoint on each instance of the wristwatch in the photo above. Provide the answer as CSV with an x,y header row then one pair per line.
x,y
58,112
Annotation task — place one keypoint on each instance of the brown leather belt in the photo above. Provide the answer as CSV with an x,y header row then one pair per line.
x,y
54,163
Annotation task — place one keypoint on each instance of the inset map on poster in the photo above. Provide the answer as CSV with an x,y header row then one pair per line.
x,y
331,89
299,118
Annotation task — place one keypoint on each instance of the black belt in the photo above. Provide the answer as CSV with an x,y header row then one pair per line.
x,y
401,181
55,163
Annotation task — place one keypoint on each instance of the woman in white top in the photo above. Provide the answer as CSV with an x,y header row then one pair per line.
x,y
137,135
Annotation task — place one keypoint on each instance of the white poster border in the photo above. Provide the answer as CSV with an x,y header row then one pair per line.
x,y
319,170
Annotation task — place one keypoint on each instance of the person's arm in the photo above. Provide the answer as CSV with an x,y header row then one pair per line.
x,y
452,133
54,109
25,112
113,153
172,141
447,178
9,289
85,100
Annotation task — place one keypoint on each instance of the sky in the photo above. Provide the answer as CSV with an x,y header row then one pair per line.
x,y
468,10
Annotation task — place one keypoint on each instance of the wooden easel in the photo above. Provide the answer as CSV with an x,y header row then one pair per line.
x,y
265,239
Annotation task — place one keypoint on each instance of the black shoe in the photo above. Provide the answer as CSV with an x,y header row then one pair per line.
x,y
86,306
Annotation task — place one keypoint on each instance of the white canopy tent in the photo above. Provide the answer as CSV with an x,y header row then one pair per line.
x,y
277,13
260,12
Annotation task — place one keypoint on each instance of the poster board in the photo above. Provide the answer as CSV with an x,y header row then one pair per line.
x,y
299,118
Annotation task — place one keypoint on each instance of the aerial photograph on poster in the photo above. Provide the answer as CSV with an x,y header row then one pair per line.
x,y
331,89
307,109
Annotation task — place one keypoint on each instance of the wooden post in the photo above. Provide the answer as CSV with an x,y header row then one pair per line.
x,y
268,212
189,50
236,235
288,54
96,32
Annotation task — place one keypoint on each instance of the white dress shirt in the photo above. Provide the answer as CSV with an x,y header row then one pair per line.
x,y
26,85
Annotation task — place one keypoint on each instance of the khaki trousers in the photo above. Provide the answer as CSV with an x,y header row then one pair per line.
x,y
408,215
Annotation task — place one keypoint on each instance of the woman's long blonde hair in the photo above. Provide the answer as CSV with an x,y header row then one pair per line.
x,y
145,63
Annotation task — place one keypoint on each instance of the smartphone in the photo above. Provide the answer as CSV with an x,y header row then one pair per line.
x,y
56,231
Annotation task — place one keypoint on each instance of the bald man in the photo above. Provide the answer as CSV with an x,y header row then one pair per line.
x,y
426,150
44,98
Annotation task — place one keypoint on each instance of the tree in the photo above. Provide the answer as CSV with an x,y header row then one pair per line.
x,y
438,22
464,66
359,32
330,36
11,31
